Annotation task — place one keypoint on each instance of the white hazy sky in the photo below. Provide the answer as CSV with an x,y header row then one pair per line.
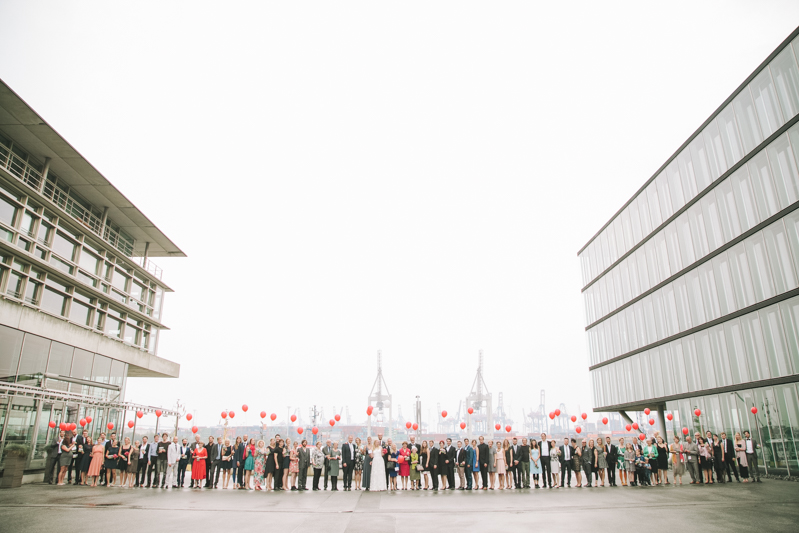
x,y
415,177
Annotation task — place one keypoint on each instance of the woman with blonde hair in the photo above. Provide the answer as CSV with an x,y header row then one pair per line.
x,y
286,464
358,469
500,465
424,473
261,455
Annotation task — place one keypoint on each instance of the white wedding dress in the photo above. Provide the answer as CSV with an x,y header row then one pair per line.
x,y
377,481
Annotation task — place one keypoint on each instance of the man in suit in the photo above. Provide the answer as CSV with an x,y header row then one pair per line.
x,y
433,464
611,458
183,462
750,448
389,466
161,461
172,463
692,461
80,449
347,462
209,468
513,467
471,455
729,457
144,456
483,453
106,448
451,455
524,463
304,461
51,466
151,460
566,454
327,450
461,457
546,465
216,460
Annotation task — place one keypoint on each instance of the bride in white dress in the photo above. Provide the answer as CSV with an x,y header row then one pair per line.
x,y
377,481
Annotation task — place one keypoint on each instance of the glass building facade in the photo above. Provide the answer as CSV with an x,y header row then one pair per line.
x,y
691,290
81,303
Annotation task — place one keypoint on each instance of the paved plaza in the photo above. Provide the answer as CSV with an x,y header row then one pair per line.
x,y
769,506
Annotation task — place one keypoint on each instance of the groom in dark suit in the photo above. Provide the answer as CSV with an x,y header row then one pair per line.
x,y
611,458
348,462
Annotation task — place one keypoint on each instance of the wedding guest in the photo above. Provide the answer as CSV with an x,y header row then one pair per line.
x,y
261,456
86,460
535,462
601,460
144,455
741,456
133,464
629,464
499,465
650,452
357,472
553,463
80,442
249,463
706,460
238,464
65,459
507,452
183,463
432,465
366,452
621,462
718,459
327,449
612,458
577,463
318,463
677,459
303,462
476,465
405,465
424,454
663,460
414,468
443,466
161,460
172,463
692,460
483,455
333,464
123,463
98,450
199,455
728,449
227,463
642,468
269,465
751,446
393,459
589,461
294,465
112,460
277,459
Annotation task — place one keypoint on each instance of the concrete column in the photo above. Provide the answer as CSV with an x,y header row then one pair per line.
x,y
662,421
103,221
45,173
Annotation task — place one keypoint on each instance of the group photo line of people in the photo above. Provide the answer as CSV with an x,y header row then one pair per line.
x,y
384,465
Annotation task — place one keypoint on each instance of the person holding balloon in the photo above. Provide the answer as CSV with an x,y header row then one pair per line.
x,y
404,464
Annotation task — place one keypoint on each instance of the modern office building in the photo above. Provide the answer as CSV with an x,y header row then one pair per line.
x,y
81,302
691,290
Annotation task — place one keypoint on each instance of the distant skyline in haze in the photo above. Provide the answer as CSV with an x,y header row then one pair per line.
x,y
413,178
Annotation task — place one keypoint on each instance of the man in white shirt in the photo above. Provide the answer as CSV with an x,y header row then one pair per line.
x,y
751,456
546,466
566,453
348,462
172,460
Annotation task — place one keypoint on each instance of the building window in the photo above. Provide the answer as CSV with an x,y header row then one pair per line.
x,y
80,313
10,346
64,247
8,212
89,261
53,302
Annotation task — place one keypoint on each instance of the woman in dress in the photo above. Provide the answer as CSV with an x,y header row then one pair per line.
x,y
269,464
499,465
554,462
198,454
393,467
719,463
238,463
318,463
706,460
133,464
261,455
535,461
577,463
621,463
227,463
508,461
86,461
740,454
277,459
476,464
678,459
333,466
405,465
97,462
377,483
414,469
124,462
249,463
423,472
442,469
663,460
112,461
601,461
650,452
629,462
358,468
64,460
286,465
589,462
294,464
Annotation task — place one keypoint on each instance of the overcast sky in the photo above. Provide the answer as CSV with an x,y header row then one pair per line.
x,y
347,177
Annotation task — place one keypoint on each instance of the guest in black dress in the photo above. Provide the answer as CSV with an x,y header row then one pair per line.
x,y
86,460
111,460
269,469
278,462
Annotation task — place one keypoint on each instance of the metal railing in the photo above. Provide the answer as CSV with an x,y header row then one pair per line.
x,y
33,179
149,266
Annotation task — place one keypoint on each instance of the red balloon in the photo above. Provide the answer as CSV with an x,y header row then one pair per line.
x,y
635,425
508,428
470,411
62,426
231,414
110,425
158,413
684,431
754,410
332,422
189,417
369,410
338,418
605,420
88,420
628,427
130,424
578,429
400,459
584,416
557,412
51,424
641,436
651,421
443,414
408,425
73,426
263,414
415,426
647,411
139,414
697,412
194,429
82,422
293,418
315,430
273,416
497,427
669,417
463,425
552,416
244,408
574,418
299,430
224,414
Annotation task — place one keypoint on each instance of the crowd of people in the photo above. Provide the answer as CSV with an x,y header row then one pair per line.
x,y
380,464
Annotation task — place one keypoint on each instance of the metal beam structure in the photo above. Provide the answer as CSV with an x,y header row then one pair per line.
x,y
381,400
480,399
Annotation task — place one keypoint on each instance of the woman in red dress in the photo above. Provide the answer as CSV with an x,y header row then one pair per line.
x,y
199,454
405,465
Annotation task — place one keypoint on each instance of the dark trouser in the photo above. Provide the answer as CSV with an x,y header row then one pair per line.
x,y
587,472
720,469
209,471
693,470
546,472
51,468
451,475
434,475
278,477
141,473
152,468
160,472
317,473
327,474
182,472
240,473
525,468
302,476
730,465
754,471
388,478
333,482
517,475
347,475
76,466
484,474
566,473
367,472
216,467
612,473
469,477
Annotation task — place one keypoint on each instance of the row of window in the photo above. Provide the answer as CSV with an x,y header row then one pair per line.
x,y
762,266
759,345
768,102
768,184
